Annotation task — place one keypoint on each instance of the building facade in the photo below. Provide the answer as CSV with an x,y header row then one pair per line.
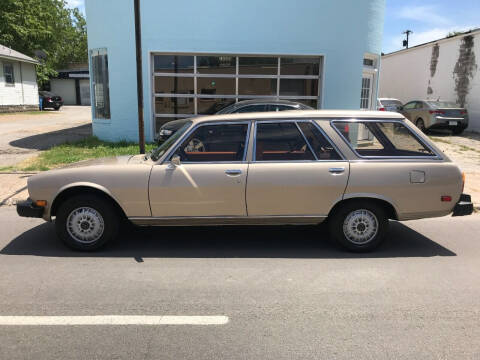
x,y
447,69
18,81
199,56
72,84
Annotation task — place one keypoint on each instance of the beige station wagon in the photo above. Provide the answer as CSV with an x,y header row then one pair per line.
x,y
356,169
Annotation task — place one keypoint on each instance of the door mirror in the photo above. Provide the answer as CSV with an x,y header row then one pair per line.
x,y
400,108
175,160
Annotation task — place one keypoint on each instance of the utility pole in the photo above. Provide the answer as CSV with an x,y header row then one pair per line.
x,y
405,42
138,46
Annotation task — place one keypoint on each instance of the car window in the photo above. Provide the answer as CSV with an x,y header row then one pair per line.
x,y
214,143
390,103
391,139
251,108
280,142
410,105
278,107
419,105
321,146
443,104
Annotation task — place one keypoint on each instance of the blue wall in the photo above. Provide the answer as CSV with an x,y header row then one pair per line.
x,y
341,30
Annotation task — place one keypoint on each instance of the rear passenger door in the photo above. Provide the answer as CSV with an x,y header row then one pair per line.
x,y
295,171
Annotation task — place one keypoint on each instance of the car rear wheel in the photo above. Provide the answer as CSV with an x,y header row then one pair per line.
x,y
421,125
359,226
86,222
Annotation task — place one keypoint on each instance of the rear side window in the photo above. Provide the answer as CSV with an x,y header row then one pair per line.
x,y
384,139
281,141
320,145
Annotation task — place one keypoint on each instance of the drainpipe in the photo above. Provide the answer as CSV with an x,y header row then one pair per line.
x,y
138,46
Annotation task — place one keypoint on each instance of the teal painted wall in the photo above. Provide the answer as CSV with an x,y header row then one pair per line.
x,y
342,31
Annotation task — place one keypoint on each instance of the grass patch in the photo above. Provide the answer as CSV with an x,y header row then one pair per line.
x,y
6,168
89,148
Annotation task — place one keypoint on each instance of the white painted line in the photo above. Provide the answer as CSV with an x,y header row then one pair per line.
x,y
112,320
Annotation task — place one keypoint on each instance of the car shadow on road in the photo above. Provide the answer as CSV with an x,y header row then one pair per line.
x,y
226,242
47,140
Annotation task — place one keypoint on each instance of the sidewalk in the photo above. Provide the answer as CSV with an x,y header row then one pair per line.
x,y
13,187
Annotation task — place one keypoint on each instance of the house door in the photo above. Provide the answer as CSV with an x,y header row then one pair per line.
x,y
85,92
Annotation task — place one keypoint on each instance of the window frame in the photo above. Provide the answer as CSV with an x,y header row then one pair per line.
x,y
436,156
4,65
106,116
295,121
168,157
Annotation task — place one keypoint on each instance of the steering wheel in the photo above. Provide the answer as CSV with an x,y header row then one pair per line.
x,y
195,145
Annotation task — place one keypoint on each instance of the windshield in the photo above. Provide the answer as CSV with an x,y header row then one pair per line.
x,y
443,104
390,102
159,151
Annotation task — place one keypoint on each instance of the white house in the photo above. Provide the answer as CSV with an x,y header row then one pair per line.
x,y
18,81
447,69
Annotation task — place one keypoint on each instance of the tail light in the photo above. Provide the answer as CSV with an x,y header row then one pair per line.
x,y
49,99
381,109
463,112
437,112
346,128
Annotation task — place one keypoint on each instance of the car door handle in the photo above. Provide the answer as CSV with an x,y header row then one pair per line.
x,y
233,172
337,170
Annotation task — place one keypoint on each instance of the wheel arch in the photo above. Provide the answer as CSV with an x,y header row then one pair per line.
x,y
390,208
83,188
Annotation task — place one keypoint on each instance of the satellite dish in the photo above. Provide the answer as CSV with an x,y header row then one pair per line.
x,y
40,54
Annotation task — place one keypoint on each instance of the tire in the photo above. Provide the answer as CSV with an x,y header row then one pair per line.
x,y
346,223
57,108
457,131
421,125
86,222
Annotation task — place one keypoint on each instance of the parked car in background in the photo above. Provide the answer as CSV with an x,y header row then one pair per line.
x,y
388,104
50,100
168,129
262,105
429,114
358,169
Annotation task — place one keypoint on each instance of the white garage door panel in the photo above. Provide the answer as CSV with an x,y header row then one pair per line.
x,y
64,88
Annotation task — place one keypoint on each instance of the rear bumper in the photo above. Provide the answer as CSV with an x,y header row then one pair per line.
x,y
444,123
464,206
28,209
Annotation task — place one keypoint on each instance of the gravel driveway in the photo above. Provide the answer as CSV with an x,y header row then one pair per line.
x,y
23,135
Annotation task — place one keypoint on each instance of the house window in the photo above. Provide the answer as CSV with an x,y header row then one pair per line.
x,y
8,74
190,84
100,84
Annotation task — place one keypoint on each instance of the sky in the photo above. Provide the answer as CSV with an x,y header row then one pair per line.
x,y
428,19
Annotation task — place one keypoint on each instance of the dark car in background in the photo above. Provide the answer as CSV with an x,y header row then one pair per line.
x,y
428,114
261,105
50,100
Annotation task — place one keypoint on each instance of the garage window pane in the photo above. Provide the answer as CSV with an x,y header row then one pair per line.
x,y
299,87
173,63
174,85
212,106
257,86
299,66
168,105
216,86
216,64
100,83
258,65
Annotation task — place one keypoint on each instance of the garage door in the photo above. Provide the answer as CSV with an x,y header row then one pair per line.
x,y
188,85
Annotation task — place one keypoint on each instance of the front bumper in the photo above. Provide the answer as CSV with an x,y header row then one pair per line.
x,y
28,209
464,206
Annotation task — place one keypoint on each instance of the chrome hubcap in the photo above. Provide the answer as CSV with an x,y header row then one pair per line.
x,y
85,225
360,226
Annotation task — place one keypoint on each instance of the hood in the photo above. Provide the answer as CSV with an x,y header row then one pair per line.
x,y
114,160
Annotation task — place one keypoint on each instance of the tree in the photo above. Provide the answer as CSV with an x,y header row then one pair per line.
x,y
47,25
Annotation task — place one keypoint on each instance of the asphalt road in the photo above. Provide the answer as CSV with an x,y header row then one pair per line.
x,y
288,293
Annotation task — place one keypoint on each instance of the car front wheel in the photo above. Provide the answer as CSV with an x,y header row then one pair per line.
x,y
359,226
86,222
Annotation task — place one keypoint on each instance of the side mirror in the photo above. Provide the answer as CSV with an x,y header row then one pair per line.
x,y
175,161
